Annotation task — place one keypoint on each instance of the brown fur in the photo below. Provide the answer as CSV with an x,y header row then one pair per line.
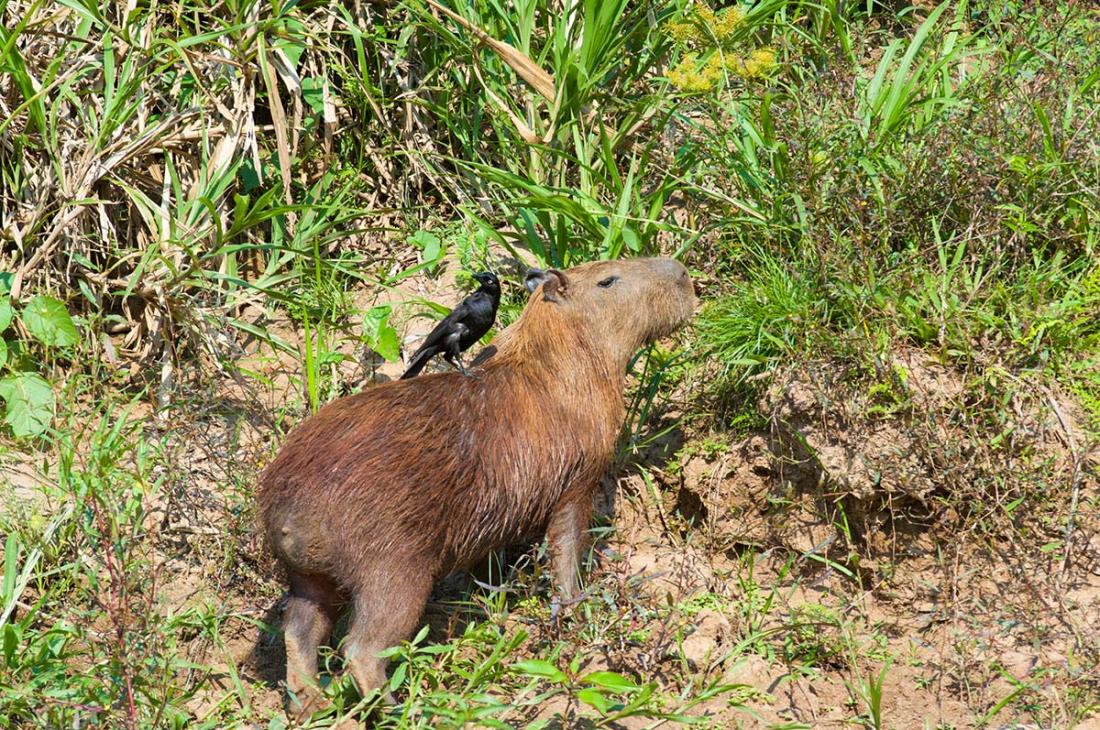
x,y
379,494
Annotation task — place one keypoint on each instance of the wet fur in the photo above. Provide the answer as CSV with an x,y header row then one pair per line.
x,y
379,494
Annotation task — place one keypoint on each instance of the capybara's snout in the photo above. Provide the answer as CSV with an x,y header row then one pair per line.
x,y
680,280
672,297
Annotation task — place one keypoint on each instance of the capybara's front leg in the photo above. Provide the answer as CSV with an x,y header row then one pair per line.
x,y
565,536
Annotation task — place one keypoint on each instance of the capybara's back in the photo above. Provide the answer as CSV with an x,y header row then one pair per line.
x,y
379,494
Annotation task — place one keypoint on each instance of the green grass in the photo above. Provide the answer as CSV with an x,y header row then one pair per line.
x,y
194,195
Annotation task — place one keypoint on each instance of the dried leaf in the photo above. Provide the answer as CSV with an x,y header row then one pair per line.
x,y
528,70
278,118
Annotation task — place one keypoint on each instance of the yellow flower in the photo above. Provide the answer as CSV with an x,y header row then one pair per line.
x,y
680,31
708,31
759,63
705,15
686,76
714,69
705,26
727,23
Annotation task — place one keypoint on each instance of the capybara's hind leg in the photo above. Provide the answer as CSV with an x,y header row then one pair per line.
x,y
307,621
383,617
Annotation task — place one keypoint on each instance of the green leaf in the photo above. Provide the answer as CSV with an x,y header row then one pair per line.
x,y
278,722
6,313
290,41
421,635
630,238
30,403
540,668
249,178
398,676
610,680
430,245
3,353
313,93
47,319
11,557
379,334
11,642
594,698
390,653
387,344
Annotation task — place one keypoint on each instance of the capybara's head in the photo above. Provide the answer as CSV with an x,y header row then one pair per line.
x,y
622,305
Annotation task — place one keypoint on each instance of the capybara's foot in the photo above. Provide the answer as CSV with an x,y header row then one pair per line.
x,y
302,704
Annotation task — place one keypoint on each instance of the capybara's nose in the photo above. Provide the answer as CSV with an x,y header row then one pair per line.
x,y
677,272
672,268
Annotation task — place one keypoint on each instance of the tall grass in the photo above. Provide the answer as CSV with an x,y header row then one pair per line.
x,y
920,196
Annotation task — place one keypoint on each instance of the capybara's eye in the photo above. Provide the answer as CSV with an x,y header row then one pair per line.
x,y
606,283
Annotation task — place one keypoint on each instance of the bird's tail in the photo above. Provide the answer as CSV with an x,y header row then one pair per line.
x,y
419,360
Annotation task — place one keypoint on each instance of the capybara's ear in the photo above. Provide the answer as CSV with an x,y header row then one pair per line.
x,y
554,283
556,286
533,278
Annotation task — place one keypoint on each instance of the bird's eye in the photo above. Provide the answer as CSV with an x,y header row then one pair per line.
x,y
606,283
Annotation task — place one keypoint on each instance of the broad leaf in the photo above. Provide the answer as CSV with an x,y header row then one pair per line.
x,y
430,245
6,313
595,698
540,668
313,93
30,403
47,319
610,680
379,334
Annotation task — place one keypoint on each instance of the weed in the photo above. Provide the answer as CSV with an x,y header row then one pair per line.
x,y
813,639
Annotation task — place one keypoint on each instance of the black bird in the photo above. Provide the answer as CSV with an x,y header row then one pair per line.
x,y
466,324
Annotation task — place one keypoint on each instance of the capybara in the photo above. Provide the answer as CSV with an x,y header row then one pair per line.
x,y
379,494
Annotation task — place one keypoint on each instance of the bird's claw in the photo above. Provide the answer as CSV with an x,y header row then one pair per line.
x,y
462,369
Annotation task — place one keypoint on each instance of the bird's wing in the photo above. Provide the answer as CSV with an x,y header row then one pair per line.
x,y
453,340
436,336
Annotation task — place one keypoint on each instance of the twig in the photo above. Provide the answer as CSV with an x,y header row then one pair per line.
x,y
1075,492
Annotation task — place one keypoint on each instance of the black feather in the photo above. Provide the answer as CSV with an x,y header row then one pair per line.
x,y
461,329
